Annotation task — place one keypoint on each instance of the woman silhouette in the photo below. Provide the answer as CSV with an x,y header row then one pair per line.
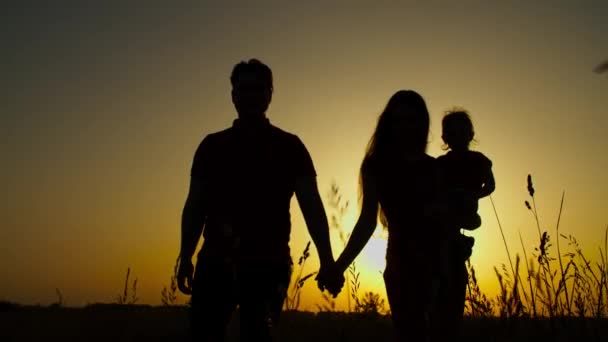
x,y
398,184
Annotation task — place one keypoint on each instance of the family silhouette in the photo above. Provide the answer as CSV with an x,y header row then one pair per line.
x,y
242,181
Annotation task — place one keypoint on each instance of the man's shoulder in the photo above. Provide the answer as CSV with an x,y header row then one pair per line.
x,y
217,137
285,139
213,143
220,134
282,134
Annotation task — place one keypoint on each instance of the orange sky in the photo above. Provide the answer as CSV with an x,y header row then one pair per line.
x,y
103,109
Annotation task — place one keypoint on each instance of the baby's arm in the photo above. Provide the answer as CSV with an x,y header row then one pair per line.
x,y
488,183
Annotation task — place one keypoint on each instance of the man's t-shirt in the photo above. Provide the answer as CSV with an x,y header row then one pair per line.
x,y
250,175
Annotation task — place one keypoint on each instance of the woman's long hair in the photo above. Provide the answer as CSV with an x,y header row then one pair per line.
x,y
402,128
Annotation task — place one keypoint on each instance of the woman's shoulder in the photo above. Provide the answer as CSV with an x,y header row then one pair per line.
x,y
428,163
429,158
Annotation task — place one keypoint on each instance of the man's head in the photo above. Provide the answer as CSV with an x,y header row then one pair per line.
x,y
251,88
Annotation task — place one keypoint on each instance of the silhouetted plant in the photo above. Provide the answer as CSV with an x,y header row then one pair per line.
x,y
531,274
329,304
169,295
59,302
477,304
509,302
370,304
354,285
128,297
546,276
579,288
339,208
589,291
292,301
502,234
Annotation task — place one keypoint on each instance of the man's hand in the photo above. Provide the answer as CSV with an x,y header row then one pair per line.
x,y
331,279
185,274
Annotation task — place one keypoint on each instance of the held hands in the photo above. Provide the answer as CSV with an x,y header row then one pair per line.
x,y
330,278
185,275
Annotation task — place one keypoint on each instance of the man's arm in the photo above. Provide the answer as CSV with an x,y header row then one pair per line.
x,y
193,220
307,194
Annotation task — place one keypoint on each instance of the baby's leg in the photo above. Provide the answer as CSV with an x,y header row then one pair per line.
x,y
470,222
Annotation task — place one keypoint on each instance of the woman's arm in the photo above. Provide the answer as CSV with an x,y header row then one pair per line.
x,y
365,226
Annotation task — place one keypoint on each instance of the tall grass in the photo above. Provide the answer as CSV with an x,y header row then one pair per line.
x,y
129,294
168,295
477,303
59,303
292,301
568,285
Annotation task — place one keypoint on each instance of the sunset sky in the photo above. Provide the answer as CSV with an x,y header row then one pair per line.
x,y
104,105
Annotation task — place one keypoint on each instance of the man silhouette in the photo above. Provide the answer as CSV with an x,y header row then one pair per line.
x,y
241,184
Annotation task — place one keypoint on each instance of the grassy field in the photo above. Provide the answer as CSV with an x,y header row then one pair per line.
x,y
113,322
554,293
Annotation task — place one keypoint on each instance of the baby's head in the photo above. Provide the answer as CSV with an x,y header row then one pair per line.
x,y
457,130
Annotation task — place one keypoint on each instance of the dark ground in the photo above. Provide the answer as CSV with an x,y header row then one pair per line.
x,y
119,323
